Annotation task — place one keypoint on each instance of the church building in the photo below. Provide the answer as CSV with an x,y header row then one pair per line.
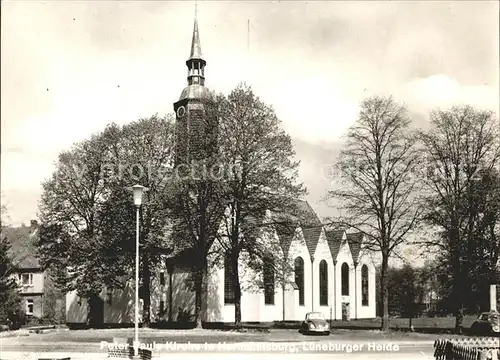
x,y
330,271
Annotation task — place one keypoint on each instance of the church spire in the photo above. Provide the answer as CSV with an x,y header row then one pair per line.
x,y
196,63
195,42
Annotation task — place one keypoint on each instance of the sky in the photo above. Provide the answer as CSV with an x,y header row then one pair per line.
x,y
68,68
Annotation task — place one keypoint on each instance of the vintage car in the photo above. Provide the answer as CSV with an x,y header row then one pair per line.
x,y
315,323
487,323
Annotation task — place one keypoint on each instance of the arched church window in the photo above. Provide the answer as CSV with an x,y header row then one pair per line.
x,y
323,283
299,278
228,280
344,272
364,285
268,281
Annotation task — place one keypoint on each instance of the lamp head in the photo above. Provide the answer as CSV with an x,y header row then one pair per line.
x,y
138,190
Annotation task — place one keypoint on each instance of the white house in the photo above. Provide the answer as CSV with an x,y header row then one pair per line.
x,y
330,273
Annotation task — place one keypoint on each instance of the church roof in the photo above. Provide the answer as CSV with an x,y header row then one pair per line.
x,y
334,239
355,241
285,235
195,91
311,225
301,215
195,43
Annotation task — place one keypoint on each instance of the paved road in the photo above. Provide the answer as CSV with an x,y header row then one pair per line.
x,y
321,349
402,355
194,344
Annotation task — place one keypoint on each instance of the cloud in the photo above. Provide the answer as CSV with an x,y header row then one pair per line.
x,y
81,65
442,91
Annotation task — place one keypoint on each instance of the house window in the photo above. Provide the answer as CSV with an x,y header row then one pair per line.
x,y
268,281
299,278
162,279
323,283
162,308
26,279
228,280
345,279
364,285
29,306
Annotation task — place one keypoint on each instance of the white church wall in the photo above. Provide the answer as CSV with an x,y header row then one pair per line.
x,y
119,305
322,252
297,249
344,256
76,308
367,312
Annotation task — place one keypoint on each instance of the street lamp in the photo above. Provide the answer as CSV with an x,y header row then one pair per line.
x,y
138,191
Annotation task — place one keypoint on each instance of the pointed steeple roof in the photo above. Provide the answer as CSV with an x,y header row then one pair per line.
x,y
195,42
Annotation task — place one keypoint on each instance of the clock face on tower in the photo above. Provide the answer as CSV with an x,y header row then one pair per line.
x,y
181,111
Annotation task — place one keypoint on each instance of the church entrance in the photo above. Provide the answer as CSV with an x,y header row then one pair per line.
x,y
345,311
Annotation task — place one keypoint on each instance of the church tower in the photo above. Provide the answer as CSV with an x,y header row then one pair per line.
x,y
195,119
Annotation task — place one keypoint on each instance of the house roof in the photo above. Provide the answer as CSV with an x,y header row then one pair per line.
x,y
355,241
334,239
23,250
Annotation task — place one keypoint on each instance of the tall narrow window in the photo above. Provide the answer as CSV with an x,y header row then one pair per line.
x,y
162,308
29,306
268,281
109,296
299,278
162,278
323,283
345,279
364,285
228,280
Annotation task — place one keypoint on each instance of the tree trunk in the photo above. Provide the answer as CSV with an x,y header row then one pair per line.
x,y
236,289
458,290
198,284
385,292
90,313
146,292
170,294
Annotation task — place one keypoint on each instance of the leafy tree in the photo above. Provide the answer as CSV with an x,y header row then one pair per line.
x,y
377,188
10,300
87,233
407,287
196,203
142,153
72,211
253,144
462,151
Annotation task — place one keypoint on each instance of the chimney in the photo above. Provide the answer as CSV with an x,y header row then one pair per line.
x,y
33,226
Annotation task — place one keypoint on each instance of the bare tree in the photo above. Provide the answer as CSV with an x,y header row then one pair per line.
x,y
377,184
462,149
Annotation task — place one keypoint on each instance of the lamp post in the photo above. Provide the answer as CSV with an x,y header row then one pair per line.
x,y
138,191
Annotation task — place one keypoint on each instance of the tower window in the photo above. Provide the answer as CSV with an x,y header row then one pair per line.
x,y
162,278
